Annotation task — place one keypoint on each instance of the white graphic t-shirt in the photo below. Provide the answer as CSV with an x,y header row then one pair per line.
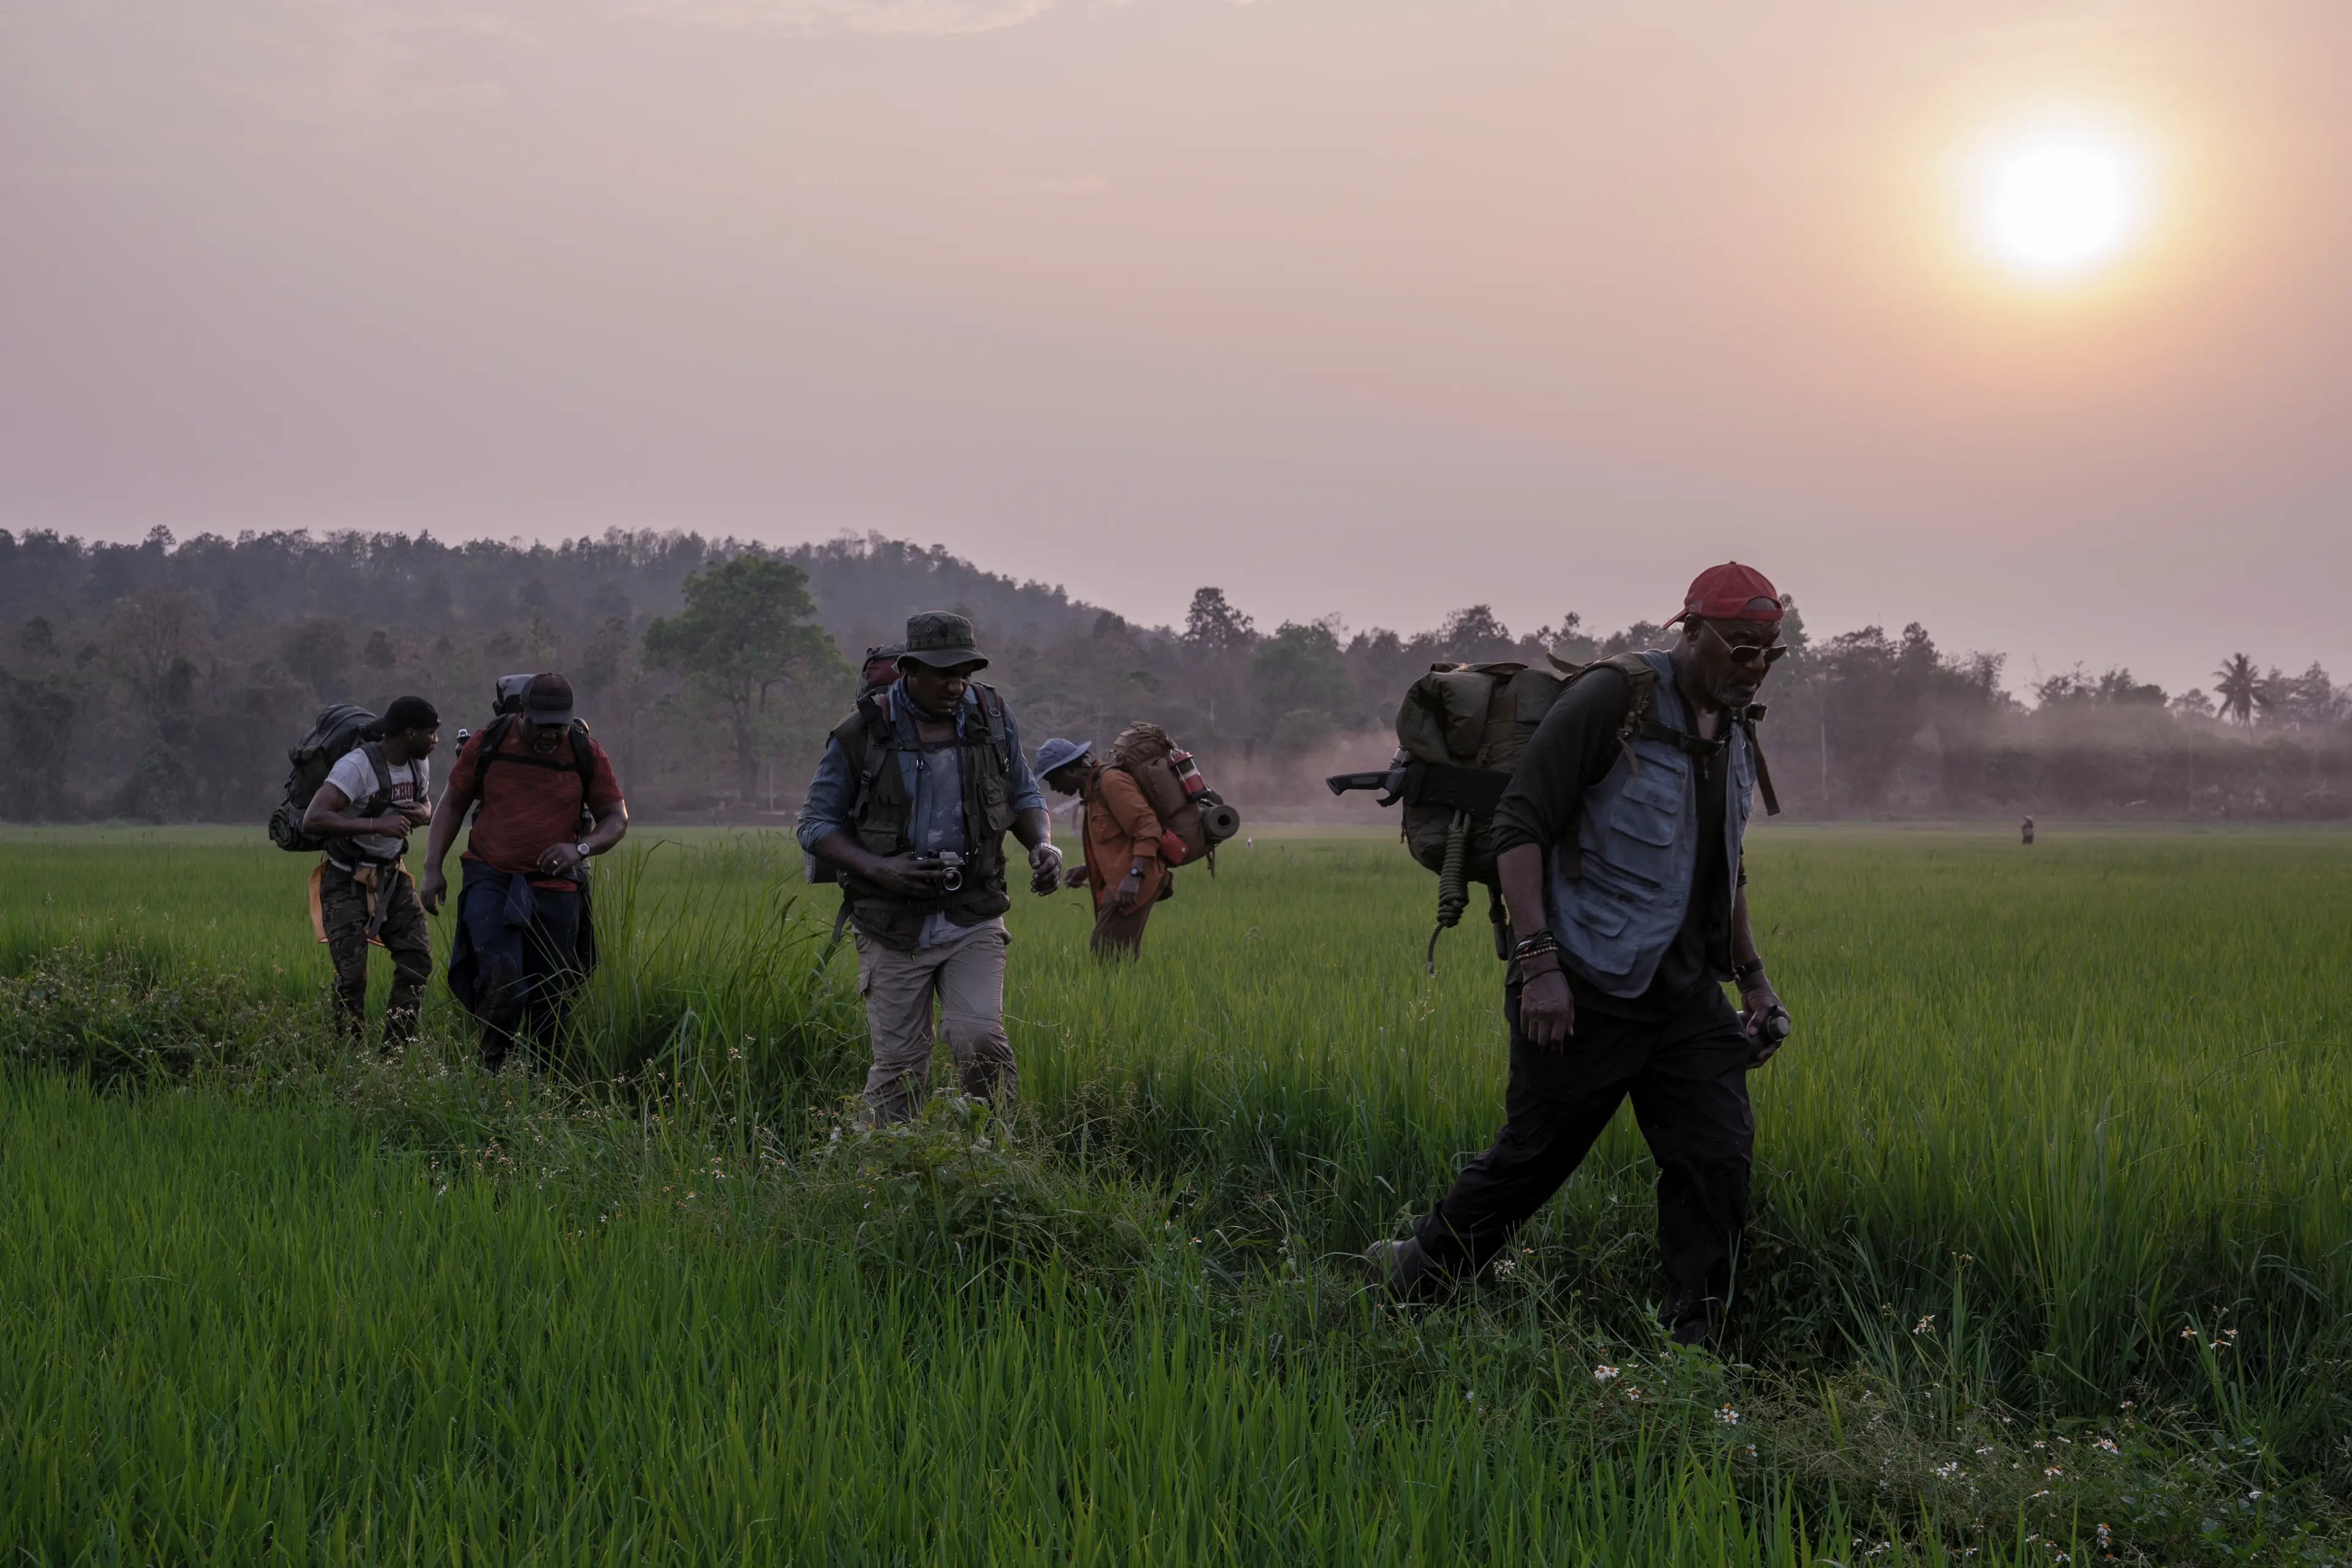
x,y
355,776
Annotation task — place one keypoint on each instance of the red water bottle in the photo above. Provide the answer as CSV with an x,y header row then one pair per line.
x,y
1188,775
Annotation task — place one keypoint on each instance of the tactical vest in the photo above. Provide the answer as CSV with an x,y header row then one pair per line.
x,y
882,817
1619,891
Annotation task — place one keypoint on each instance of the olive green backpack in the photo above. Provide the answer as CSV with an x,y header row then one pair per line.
x,y
1460,731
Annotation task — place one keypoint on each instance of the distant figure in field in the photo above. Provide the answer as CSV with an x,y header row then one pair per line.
x,y
376,796
1122,840
910,804
2025,833
1619,840
550,800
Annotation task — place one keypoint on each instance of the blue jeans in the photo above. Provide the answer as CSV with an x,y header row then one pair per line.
x,y
516,960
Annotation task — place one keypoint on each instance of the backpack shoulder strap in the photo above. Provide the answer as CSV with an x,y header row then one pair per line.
x,y
867,737
584,754
992,707
373,751
1639,722
1748,723
493,740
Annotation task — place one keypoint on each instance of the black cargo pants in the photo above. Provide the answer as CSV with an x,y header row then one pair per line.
x,y
1688,1080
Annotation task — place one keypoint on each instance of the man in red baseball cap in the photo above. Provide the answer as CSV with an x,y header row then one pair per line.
x,y
1619,848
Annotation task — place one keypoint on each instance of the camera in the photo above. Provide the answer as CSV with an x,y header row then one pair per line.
x,y
952,863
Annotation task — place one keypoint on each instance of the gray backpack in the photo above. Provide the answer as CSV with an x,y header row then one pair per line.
x,y
335,731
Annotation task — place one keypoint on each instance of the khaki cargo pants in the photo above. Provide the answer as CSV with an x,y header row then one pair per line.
x,y
343,913
965,975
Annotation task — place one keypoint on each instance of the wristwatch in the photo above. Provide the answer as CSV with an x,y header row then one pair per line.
x,y
580,850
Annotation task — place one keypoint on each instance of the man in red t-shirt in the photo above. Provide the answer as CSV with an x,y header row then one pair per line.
x,y
549,801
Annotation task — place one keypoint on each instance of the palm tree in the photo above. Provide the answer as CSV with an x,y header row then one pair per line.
x,y
2238,687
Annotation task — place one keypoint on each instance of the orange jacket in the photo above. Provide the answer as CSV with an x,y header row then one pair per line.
x,y
1120,830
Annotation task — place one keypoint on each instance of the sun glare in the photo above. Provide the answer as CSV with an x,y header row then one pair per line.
x,y
2056,206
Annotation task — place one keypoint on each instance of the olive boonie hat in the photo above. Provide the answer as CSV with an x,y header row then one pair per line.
x,y
942,641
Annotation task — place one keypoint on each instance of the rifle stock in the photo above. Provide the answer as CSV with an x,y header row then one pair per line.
x,y
1475,790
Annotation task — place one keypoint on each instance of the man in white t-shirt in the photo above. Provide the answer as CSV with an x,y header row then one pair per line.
x,y
376,794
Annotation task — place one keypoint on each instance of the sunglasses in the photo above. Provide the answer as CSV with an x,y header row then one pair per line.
x,y
1749,654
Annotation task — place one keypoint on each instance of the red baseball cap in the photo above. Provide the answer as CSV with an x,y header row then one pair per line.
x,y
1731,593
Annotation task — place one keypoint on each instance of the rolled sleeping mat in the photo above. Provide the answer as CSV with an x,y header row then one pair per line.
x,y
1220,822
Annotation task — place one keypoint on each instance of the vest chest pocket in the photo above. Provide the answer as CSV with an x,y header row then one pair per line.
x,y
1650,811
996,795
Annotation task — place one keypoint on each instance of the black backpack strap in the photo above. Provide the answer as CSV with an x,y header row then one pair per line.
x,y
493,736
867,737
373,751
992,707
1748,722
494,741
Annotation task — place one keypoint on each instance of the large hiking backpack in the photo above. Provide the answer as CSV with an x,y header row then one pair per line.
x,y
1189,811
1460,731
335,731
1464,726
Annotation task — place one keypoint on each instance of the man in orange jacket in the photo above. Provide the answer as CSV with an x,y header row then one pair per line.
x,y
1122,838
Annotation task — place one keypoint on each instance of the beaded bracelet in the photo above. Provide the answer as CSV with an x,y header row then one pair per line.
x,y
1540,943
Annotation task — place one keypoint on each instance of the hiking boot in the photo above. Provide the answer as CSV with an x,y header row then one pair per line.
x,y
1399,1269
1689,1318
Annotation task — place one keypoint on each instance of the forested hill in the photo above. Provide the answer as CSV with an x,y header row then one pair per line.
x,y
480,589
165,680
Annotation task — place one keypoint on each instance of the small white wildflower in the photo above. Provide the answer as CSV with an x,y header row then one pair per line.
x,y
1926,1325
1948,1471
2053,1470
1603,1374
2108,1443
1728,1416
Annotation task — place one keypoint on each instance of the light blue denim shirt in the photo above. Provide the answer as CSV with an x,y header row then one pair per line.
x,y
833,792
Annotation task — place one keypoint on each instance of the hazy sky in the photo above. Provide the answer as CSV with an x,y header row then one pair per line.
x,y
1350,306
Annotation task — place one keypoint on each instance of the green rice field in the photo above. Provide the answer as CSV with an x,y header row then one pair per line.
x,y
2051,1258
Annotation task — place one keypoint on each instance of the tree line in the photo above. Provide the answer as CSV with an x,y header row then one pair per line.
x,y
164,680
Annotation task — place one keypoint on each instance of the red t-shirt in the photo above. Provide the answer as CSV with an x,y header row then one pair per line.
x,y
528,806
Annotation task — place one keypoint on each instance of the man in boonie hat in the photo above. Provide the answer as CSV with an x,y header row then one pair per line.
x,y
1619,849
910,804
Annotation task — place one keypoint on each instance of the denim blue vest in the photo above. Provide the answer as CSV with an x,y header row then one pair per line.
x,y
1639,835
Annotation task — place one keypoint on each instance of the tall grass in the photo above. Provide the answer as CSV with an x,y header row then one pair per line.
x,y
264,1341
2046,1111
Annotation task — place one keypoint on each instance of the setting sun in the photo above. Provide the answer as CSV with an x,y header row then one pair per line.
x,y
2056,206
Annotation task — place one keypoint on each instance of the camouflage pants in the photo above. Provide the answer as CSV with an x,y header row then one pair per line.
x,y
343,914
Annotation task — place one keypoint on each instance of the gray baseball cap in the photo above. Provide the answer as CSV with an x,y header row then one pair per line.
x,y
942,641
